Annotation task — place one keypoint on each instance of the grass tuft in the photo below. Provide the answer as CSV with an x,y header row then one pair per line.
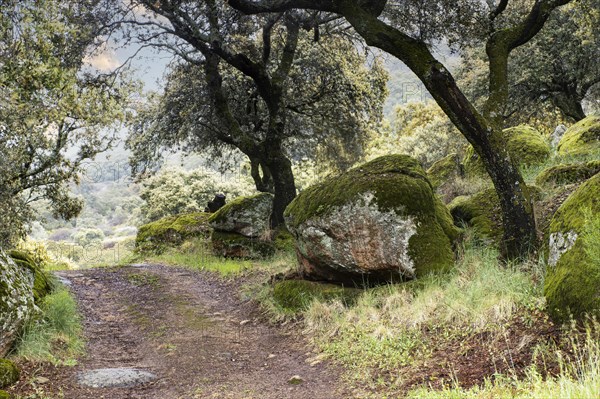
x,y
56,336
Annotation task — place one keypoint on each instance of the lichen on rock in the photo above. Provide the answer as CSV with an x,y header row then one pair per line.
x,y
573,274
16,300
241,228
582,138
377,222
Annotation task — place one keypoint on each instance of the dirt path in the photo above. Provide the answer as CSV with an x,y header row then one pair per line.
x,y
193,332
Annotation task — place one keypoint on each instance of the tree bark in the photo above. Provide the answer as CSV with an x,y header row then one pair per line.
x,y
283,180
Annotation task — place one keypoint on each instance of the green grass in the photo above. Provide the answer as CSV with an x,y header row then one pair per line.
x,y
56,336
196,255
386,328
531,172
579,377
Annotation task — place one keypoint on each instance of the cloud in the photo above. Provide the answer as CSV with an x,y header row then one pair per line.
x,y
104,59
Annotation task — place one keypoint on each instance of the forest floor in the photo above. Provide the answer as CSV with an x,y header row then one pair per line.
x,y
189,330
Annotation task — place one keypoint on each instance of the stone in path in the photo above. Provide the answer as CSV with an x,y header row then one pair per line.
x,y
114,378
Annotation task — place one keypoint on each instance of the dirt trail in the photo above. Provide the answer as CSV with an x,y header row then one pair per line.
x,y
193,332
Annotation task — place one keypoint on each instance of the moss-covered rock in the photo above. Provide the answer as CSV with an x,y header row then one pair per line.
x,y
4,395
171,231
9,373
525,145
480,211
17,304
377,222
581,138
296,295
241,228
560,175
248,216
573,275
445,170
42,285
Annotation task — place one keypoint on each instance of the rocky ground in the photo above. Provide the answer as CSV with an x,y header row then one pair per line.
x,y
188,329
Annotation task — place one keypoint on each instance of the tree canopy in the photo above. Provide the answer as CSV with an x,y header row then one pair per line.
x,y
53,114
274,87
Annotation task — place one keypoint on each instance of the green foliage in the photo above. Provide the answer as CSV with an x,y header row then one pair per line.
x,y
563,174
573,273
174,191
9,373
171,231
581,138
332,97
49,107
554,76
56,336
88,236
419,129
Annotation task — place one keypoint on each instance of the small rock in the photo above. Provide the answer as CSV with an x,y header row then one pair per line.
x,y
244,322
42,380
271,356
296,380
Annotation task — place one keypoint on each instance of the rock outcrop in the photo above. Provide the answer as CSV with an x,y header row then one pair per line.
x,y
377,222
241,228
573,275
582,138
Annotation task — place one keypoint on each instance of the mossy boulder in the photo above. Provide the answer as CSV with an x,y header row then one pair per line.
x,y
241,228
9,373
17,303
526,146
171,231
377,222
480,211
42,285
4,395
582,138
563,174
573,276
445,170
296,295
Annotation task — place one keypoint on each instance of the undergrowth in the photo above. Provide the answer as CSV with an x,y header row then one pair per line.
x,y
56,336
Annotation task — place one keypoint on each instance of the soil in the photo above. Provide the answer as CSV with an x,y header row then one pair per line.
x,y
190,329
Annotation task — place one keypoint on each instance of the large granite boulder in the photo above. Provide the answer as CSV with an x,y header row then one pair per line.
x,y
377,222
525,145
573,276
17,303
241,228
582,138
